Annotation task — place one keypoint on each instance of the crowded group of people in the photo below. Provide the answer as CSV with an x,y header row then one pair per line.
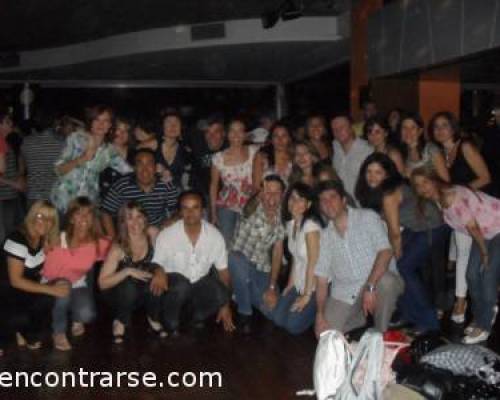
x,y
329,224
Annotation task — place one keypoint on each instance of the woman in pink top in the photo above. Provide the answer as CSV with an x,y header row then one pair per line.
x,y
81,245
478,215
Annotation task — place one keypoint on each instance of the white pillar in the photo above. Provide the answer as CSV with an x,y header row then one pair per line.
x,y
281,104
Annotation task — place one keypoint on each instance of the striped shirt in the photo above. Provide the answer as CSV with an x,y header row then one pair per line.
x,y
40,152
159,203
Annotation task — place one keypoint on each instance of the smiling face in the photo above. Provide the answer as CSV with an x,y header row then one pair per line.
x,y
332,204
342,130
270,196
101,125
236,135
425,187
442,130
375,175
410,132
377,136
191,210
281,138
82,219
145,169
303,157
136,222
43,223
316,128
297,205
172,127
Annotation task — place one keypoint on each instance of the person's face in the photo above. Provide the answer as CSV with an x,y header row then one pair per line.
x,y
325,176
43,223
375,175
145,168
342,130
410,132
394,119
136,222
141,135
101,125
122,132
377,136
370,110
172,127
316,129
214,136
82,219
442,130
6,126
331,204
191,210
270,196
281,138
236,134
303,158
297,206
425,188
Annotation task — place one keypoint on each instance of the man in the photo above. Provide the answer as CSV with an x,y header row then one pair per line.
x,y
356,257
187,250
158,198
349,152
254,273
202,152
369,111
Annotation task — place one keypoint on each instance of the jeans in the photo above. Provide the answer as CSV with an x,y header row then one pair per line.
x,y
227,220
292,321
81,303
249,284
415,304
483,282
129,295
435,271
200,299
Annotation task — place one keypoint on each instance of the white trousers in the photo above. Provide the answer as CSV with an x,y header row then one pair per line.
x,y
460,245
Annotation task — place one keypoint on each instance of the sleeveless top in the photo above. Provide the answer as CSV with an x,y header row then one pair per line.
x,y
417,217
460,171
143,264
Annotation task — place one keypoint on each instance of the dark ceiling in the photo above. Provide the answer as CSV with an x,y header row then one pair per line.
x,y
34,24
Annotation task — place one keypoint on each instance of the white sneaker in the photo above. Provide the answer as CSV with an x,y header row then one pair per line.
x,y
476,336
469,329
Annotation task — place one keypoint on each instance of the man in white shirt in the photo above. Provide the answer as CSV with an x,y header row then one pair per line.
x,y
349,152
187,250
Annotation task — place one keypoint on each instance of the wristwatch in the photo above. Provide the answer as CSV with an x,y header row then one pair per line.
x,y
370,288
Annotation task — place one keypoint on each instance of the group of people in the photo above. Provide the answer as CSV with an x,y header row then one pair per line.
x,y
308,229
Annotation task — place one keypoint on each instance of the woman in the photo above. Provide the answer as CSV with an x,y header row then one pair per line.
x,y
85,156
122,141
145,134
393,123
478,215
466,167
276,158
296,307
324,172
171,156
26,300
125,274
317,134
305,159
232,172
81,246
417,152
376,133
381,188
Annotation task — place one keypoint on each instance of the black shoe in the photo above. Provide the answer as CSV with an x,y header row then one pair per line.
x,y
244,324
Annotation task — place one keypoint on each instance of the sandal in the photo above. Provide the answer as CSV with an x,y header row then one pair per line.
x,y
77,329
20,340
118,332
157,328
61,342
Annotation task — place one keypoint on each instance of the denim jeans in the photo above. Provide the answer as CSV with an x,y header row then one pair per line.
x,y
227,220
292,321
415,304
81,303
483,282
249,284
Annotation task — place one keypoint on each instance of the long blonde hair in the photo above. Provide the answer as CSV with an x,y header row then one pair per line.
x,y
95,231
47,210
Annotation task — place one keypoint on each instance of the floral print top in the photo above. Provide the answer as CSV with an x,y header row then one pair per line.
x,y
84,180
236,181
468,206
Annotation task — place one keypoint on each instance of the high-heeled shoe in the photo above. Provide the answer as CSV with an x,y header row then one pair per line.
x,y
118,331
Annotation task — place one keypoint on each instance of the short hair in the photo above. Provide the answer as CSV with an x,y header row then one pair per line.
x,y
144,150
337,186
93,112
193,193
274,178
371,122
345,115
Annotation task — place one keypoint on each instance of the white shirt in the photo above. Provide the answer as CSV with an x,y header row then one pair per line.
x,y
298,249
348,164
175,252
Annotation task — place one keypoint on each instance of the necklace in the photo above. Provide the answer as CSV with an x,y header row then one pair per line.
x,y
450,154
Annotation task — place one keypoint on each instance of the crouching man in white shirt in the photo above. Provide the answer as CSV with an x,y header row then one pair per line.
x,y
187,250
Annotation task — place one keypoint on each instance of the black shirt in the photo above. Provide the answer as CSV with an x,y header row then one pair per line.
x,y
17,246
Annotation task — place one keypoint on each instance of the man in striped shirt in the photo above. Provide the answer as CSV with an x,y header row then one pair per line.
x,y
158,198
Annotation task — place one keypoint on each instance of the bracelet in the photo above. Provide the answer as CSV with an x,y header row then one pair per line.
x,y
370,288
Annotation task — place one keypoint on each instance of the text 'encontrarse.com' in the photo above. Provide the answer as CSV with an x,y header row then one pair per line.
x,y
109,380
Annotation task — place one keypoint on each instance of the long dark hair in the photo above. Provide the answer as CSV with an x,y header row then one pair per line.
x,y
452,120
370,197
304,191
417,119
268,150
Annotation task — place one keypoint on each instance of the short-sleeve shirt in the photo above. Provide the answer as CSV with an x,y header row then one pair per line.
x,y
175,252
348,260
298,249
469,206
236,181
17,246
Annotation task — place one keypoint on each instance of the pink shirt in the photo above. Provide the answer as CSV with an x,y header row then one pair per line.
x,y
73,264
468,206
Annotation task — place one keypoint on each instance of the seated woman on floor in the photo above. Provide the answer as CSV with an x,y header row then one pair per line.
x,y
81,245
127,272
26,301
